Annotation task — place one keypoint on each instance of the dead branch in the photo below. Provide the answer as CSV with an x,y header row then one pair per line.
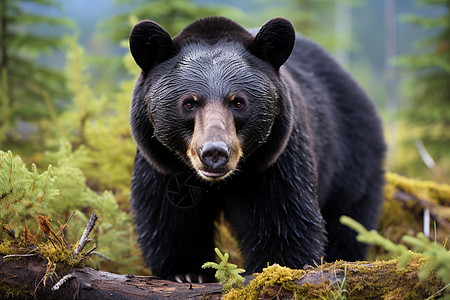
x,y
407,197
84,238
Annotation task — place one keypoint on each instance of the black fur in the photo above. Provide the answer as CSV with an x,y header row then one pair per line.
x,y
150,40
274,42
311,140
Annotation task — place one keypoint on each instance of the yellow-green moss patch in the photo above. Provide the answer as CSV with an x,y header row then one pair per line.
x,y
15,292
272,276
363,280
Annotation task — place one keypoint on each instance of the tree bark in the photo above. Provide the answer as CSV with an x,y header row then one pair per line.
x,y
24,277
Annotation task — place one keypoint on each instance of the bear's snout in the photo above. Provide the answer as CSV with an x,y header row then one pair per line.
x,y
214,154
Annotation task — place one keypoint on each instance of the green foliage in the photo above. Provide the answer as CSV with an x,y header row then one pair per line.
x,y
437,257
227,273
23,193
114,235
173,15
303,14
26,84
312,19
427,88
96,154
56,193
97,125
340,293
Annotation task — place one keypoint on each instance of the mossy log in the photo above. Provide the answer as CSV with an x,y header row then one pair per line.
x,y
25,277
404,205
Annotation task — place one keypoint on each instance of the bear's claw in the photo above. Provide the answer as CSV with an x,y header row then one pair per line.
x,y
190,278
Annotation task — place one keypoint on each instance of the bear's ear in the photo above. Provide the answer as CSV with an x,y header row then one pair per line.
x,y
150,44
274,42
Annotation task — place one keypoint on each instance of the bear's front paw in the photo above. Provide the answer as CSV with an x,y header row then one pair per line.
x,y
190,278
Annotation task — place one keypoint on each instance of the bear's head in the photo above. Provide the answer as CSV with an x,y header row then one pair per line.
x,y
212,98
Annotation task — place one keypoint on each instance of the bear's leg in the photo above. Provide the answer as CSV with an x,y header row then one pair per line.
x,y
342,243
174,241
273,224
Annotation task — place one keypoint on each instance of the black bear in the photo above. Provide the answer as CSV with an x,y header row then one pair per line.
x,y
266,128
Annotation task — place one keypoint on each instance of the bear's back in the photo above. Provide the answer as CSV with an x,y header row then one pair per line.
x,y
345,126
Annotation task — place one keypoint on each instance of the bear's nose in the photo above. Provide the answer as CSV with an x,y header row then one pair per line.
x,y
214,154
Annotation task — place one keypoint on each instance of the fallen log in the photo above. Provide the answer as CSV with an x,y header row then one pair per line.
x,y
26,277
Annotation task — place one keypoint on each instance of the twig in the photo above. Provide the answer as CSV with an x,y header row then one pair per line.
x,y
425,155
68,220
11,232
405,197
62,227
84,238
437,293
18,255
62,281
101,255
90,251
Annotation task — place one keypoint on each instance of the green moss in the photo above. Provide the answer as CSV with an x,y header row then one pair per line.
x,y
272,276
429,191
405,201
6,248
14,292
384,279
363,280
56,254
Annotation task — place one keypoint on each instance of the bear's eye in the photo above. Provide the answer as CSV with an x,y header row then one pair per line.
x,y
238,104
189,105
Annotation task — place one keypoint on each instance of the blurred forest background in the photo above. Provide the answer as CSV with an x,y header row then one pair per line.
x,y
67,78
